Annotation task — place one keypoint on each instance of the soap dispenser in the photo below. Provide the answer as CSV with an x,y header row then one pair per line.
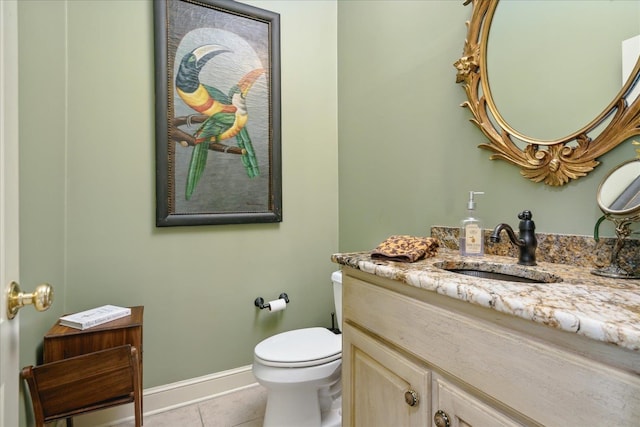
x,y
471,234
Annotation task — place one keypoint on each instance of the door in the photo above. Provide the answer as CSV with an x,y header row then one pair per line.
x,y
455,407
9,266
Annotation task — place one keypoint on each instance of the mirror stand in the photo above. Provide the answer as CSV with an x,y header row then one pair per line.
x,y
623,231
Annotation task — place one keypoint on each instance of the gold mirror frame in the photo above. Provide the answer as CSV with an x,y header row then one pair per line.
x,y
554,162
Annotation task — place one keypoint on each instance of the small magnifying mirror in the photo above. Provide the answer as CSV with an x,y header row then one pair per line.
x,y
619,199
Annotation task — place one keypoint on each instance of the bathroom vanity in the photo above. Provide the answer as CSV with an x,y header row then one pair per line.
x,y
425,346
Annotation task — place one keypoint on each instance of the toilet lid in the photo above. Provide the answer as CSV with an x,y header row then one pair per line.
x,y
308,345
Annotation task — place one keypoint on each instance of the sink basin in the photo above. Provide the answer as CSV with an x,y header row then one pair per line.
x,y
493,276
501,272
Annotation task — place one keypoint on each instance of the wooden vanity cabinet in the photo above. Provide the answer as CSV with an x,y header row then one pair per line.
x,y
472,365
386,388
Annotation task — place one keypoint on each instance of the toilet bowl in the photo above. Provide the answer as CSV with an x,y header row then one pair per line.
x,y
301,371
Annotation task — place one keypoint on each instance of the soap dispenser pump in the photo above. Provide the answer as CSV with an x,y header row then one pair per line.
x,y
471,234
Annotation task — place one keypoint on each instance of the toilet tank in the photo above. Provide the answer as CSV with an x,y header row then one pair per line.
x,y
336,278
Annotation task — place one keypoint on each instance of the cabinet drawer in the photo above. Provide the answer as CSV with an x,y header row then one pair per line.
x,y
62,347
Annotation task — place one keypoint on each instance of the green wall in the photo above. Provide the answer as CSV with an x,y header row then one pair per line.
x,y
408,155
88,190
407,158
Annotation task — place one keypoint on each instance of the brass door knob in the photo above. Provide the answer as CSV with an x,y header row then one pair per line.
x,y
441,419
41,298
411,397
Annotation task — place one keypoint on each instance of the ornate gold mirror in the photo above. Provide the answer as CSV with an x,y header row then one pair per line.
x,y
619,199
542,158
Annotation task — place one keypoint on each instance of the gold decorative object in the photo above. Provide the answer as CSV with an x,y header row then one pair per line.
x,y
554,162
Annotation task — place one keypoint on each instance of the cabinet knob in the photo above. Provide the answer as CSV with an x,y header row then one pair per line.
x,y
441,419
411,397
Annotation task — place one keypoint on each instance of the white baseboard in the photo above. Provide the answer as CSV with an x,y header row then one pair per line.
x,y
170,396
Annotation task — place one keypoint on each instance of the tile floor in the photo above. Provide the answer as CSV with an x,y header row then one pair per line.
x,y
243,408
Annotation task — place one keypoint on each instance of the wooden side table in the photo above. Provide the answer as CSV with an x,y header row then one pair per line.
x,y
61,342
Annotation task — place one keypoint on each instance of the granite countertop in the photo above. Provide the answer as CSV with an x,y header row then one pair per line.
x,y
600,308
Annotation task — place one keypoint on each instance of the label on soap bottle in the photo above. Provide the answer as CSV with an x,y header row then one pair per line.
x,y
473,239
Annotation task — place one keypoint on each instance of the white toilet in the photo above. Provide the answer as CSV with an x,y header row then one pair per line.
x,y
301,371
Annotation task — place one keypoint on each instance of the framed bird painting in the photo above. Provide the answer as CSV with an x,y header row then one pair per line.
x,y
217,79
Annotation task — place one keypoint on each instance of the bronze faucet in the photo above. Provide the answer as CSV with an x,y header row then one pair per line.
x,y
527,242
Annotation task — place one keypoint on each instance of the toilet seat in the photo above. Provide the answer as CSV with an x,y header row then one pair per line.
x,y
299,348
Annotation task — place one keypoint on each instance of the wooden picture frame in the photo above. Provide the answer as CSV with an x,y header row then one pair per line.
x,y
218,130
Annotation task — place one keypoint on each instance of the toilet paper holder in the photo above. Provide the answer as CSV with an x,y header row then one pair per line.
x,y
259,302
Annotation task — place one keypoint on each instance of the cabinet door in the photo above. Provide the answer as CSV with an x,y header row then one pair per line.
x,y
462,409
381,387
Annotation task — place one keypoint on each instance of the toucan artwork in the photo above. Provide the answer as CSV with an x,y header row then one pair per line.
x,y
221,115
217,113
